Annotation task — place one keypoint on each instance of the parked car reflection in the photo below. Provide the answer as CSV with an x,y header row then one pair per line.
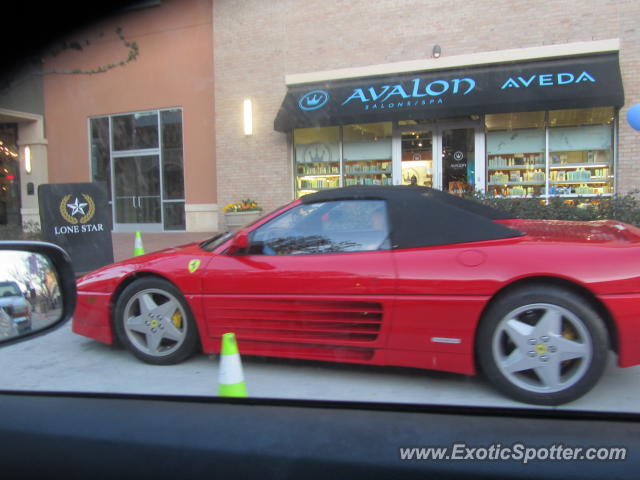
x,y
29,293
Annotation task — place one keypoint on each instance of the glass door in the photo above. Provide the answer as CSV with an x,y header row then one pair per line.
x,y
137,194
447,156
458,159
417,158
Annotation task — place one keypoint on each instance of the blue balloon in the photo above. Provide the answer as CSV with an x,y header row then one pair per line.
x,y
633,116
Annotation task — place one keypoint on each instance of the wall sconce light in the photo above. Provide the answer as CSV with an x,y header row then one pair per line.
x,y
248,117
437,51
27,159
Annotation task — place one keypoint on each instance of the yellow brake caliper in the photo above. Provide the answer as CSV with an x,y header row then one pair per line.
x,y
176,318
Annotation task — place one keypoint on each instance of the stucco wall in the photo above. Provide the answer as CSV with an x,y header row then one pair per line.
x,y
173,69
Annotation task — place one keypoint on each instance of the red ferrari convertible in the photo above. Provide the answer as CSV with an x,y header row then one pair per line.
x,y
404,276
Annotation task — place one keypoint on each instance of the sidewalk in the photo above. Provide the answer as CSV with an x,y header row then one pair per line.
x,y
152,242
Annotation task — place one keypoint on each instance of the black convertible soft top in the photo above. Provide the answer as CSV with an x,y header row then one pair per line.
x,y
421,216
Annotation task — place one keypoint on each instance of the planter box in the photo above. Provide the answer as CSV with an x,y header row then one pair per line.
x,y
236,220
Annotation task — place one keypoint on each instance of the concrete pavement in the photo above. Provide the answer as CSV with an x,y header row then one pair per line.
x,y
63,361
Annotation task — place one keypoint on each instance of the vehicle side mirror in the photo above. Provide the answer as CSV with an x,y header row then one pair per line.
x,y
240,243
37,289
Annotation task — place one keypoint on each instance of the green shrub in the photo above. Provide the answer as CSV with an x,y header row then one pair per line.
x,y
625,208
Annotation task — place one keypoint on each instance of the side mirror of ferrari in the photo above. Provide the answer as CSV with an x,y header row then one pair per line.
x,y
240,243
37,289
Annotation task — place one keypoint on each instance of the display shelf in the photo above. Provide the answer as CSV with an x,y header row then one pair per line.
x,y
578,165
580,173
318,168
360,180
585,195
519,196
569,173
379,172
526,184
516,175
318,176
367,172
576,182
519,167
521,160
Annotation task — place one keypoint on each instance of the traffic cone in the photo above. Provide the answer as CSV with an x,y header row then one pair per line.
x,y
230,376
138,249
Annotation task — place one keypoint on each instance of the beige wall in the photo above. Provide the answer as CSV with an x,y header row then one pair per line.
x,y
173,69
258,42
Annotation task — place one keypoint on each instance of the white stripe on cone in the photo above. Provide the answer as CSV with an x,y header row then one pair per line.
x,y
138,242
230,370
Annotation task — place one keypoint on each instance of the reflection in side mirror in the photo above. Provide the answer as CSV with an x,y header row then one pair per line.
x,y
29,293
37,289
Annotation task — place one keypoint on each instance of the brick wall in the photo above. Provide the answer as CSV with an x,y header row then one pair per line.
x,y
258,42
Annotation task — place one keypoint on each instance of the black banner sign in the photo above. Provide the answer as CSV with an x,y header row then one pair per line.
x,y
77,217
565,83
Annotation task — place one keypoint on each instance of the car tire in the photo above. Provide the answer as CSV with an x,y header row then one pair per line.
x,y
542,345
153,320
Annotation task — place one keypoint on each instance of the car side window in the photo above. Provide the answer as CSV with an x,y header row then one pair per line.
x,y
328,227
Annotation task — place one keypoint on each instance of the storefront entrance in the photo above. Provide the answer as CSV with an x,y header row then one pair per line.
x,y
137,193
441,156
139,157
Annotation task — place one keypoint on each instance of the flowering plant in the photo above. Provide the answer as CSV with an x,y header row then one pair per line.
x,y
247,205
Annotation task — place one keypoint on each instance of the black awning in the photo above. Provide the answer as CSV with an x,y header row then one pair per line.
x,y
576,82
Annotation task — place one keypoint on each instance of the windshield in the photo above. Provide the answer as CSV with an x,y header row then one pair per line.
x,y
9,289
185,122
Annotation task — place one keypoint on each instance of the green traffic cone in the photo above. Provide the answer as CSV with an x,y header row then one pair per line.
x,y
230,376
138,249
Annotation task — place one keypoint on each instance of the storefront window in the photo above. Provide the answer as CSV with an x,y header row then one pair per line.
x,y
367,154
330,157
136,131
516,154
317,159
101,152
580,153
172,169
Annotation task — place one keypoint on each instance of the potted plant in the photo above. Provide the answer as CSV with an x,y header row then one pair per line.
x,y
237,215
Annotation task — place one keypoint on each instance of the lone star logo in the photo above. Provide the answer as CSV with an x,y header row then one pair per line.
x,y
77,207
70,210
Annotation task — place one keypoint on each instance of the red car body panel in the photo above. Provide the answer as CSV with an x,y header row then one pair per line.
x,y
625,309
416,307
